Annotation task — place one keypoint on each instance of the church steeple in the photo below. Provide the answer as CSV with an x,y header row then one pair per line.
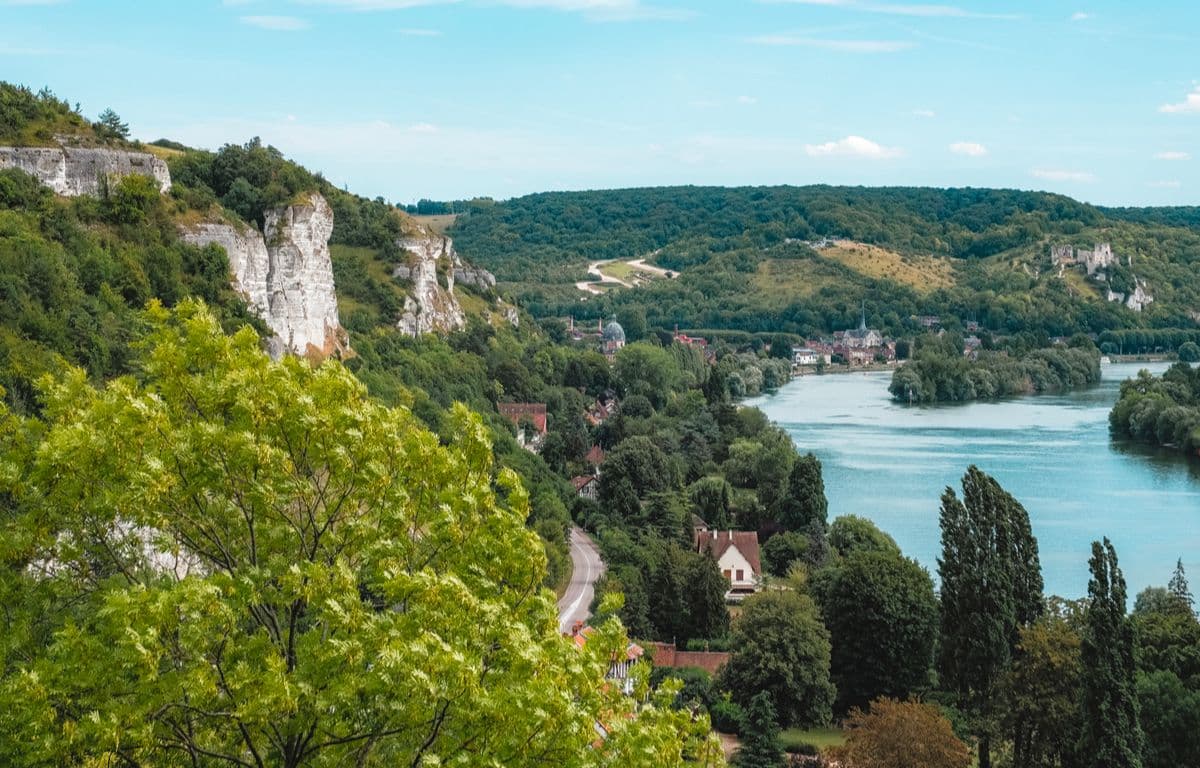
x,y
862,323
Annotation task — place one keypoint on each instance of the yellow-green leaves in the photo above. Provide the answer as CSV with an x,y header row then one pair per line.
x,y
250,562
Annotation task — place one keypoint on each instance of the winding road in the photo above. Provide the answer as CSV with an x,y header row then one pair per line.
x,y
587,568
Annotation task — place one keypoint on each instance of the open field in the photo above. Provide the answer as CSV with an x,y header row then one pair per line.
x,y
921,273
822,738
439,223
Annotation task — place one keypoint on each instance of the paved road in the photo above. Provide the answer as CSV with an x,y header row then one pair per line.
x,y
573,605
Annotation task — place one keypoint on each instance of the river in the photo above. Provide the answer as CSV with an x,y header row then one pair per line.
x,y
890,463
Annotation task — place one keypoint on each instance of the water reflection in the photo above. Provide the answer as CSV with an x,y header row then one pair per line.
x,y
891,462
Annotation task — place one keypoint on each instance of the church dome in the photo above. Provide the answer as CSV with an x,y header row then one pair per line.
x,y
614,332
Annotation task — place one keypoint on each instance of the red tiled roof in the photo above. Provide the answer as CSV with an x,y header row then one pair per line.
x,y
719,542
595,456
582,481
515,411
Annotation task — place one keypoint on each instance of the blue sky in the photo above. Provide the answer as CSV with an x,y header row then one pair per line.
x,y
458,98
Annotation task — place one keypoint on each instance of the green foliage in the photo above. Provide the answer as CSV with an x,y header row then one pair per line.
x,y
1112,736
1163,410
1189,352
804,508
28,118
110,126
75,274
1041,694
936,377
782,648
742,264
1170,718
850,533
783,550
991,585
235,579
760,747
882,617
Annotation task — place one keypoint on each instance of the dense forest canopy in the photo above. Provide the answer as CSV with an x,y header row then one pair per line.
x,y
746,260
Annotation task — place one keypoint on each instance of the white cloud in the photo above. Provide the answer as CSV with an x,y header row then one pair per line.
x,y
276,23
1172,184
1056,174
747,100
421,32
1172,156
968,148
842,46
925,10
423,128
852,146
1080,16
924,113
1190,103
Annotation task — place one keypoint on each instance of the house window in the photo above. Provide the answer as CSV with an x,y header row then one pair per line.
x,y
728,574
740,573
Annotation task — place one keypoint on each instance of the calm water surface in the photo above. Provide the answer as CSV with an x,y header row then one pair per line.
x,y
1053,452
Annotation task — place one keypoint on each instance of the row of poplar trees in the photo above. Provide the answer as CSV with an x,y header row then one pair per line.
x,y
991,588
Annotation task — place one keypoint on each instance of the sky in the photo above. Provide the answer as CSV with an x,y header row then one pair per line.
x,y
450,99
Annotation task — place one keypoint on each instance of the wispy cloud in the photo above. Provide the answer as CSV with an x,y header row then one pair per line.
x,y
597,10
1080,16
841,46
1169,184
1057,174
421,32
747,99
1190,103
422,128
968,148
275,23
1172,155
852,146
925,10
924,113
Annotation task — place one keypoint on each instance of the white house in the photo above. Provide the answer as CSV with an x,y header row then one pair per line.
x,y
805,356
737,556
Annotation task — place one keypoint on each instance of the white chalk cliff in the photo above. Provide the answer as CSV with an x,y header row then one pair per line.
x,y
74,171
285,274
433,269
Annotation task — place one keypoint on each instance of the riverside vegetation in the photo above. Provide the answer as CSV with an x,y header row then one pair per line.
x,y
210,558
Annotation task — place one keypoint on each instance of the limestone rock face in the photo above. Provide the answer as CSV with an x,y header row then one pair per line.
x,y
73,171
285,274
432,306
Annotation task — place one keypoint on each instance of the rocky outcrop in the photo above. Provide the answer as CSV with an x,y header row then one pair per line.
x,y
432,268
285,274
72,171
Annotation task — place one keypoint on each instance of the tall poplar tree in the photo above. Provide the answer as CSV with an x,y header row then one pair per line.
x,y
1112,736
991,587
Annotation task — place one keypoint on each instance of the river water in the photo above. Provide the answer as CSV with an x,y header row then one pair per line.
x,y
890,463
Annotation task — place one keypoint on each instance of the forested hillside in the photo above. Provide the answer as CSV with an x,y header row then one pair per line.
x,y
745,260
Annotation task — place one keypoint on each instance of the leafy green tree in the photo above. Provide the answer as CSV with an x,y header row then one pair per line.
x,y
712,500
706,586
760,746
850,533
1189,352
783,550
804,503
110,126
1166,635
781,647
638,464
266,567
1112,736
1170,717
882,617
991,586
1178,586
1041,694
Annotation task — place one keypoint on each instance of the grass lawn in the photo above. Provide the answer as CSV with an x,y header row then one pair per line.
x,y
821,738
